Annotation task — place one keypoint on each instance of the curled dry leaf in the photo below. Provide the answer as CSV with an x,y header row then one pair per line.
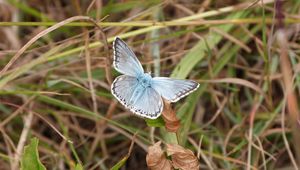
x,y
182,158
172,123
156,160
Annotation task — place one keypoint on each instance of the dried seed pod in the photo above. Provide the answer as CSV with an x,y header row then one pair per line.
x,y
156,159
172,123
182,158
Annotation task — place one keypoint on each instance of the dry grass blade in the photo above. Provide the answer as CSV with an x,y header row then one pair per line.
x,y
27,123
39,35
291,99
236,81
250,137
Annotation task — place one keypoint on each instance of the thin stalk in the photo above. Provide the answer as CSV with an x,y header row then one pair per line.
x,y
154,23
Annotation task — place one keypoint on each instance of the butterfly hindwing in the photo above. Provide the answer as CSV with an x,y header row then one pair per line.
x,y
145,102
125,61
123,87
149,104
173,89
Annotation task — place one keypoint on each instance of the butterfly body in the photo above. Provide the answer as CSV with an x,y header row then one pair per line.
x,y
138,91
145,80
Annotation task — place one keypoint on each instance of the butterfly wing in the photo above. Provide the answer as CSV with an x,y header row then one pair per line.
x,y
149,104
144,102
125,61
173,89
123,87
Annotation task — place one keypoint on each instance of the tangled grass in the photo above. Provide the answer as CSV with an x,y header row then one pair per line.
x,y
55,99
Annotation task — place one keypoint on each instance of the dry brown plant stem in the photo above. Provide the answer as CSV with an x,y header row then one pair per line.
x,y
250,137
291,102
27,123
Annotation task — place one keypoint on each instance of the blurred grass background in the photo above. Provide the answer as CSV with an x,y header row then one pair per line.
x,y
57,88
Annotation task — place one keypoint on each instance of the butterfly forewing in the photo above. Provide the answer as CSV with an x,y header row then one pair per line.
x,y
173,89
125,60
145,102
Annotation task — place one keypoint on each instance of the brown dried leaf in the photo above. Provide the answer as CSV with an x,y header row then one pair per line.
x,y
156,160
182,158
172,123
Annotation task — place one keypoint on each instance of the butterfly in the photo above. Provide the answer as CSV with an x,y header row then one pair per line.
x,y
137,90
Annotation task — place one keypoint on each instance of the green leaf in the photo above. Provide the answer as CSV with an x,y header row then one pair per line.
x,y
120,163
30,158
159,122
78,167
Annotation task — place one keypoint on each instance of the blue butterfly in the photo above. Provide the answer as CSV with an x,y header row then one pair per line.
x,y
138,91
